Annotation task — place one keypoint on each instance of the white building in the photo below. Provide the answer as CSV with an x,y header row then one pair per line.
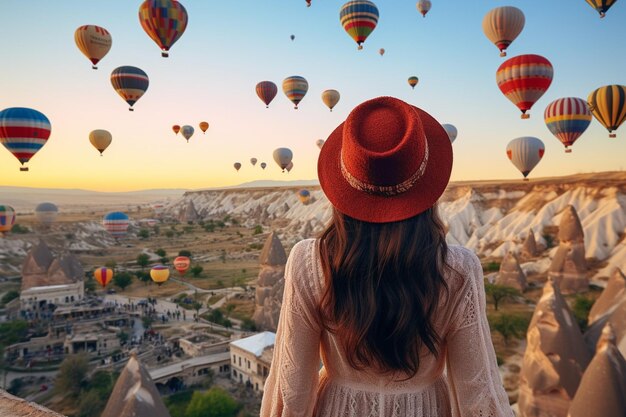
x,y
251,358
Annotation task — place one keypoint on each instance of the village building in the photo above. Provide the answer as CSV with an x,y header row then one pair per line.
x,y
200,344
251,359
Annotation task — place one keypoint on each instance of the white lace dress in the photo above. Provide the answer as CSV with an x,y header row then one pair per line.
x,y
463,382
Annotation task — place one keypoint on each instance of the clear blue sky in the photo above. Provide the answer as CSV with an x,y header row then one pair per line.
x,y
231,45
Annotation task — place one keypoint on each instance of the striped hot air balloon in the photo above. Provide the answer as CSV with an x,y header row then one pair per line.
x,y
130,83
23,132
182,264
601,6
160,274
413,81
423,6
295,88
46,213
7,218
94,42
523,80
359,18
103,276
502,25
525,153
607,104
187,132
116,223
331,98
164,21
266,90
304,196
567,118
100,139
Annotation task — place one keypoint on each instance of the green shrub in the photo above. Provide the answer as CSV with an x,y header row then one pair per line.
x,y
510,325
582,306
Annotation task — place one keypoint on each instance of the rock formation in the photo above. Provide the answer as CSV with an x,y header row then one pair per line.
x,y
602,389
189,213
529,247
11,406
555,358
135,394
610,298
569,267
270,284
42,269
616,317
511,273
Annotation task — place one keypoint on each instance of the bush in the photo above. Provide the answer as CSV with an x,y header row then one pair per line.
x,y
255,246
9,296
169,233
19,229
500,293
143,234
161,252
549,240
510,325
72,375
258,229
143,259
122,280
582,306
187,229
492,266
185,252
216,402
248,324
196,270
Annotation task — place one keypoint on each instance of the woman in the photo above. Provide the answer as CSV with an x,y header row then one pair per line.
x,y
397,316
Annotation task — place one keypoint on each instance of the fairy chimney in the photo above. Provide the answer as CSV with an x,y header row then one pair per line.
x,y
569,267
608,301
511,274
555,358
529,247
615,315
189,214
602,390
270,284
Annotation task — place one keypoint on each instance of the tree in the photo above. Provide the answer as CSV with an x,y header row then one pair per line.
x,y
582,306
91,404
161,252
196,270
143,276
258,229
196,305
214,403
72,375
248,324
9,296
510,325
185,252
122,280
143,234
500,293
143,259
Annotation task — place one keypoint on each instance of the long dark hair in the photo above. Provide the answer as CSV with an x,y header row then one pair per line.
x,y
383,286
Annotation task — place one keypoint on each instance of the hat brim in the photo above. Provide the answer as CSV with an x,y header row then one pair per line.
x,y
384,209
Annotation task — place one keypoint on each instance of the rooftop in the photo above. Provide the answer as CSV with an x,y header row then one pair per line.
x,y
175,368
256,344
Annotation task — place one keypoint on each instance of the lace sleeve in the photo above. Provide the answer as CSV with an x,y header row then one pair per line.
x,y
471,363
291,386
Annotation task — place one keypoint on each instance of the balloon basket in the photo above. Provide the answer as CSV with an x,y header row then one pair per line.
x,y
502,54
525,180
525,116
24,169
94,67
164,54
567,150
296,107
602,14
267,107
131,109
612,135
360,47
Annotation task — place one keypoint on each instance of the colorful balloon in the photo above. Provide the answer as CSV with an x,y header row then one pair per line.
x,y
23,132
330,98
100,139
116,223
413,81
94,42
525,153
7,218
237,166
451,131
130,83
182,264
160,274
607,104
308,3
263,165
253,161
320,143
46,213
295,88
359,18
289,167
187,132
601,6
176,129
502,25
423,6
266,90
103,276
164,21
304,196
381,51
567,118
523,80
204,126
283,157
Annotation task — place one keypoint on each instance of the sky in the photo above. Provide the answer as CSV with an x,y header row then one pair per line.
x,y
229,46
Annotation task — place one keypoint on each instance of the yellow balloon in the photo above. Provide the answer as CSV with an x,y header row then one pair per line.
x,y
100,139
93,41
160,274
330,98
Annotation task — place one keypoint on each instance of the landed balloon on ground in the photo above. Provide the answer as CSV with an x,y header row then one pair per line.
x,y
94,42
295,88
237,166
423,6
525,153
182,264
359,19
304,196
524,79
116,223
601,6
253,161
7,218
567,118
103,276
204,126
263,165
130,83
608,106
160,274
331,98
23,132
413,81
320,143
164,21
266,90
176,129
502,25
100,139
187,132
451,131
283,157
46,213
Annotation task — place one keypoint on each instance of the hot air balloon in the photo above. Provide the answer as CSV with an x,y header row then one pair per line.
x,y
130,83
116,223
204,126
164,21
320,143
7,218
187,132
608,106
266,90
523,80
502,25
100,139
451,131
94,42
567,118
176,129
413,81
263,165
237,166
423,6
253,161
283,157
182,264
289,167
308,3
292,37
330,98
103,276
359,19
525,153
601,6
381,51
46,213
295,88
23,132
304,196
159,274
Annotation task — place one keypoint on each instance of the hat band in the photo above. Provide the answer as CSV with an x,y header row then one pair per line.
x,y
387,190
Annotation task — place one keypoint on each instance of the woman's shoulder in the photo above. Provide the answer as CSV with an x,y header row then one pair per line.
x,y
304,267
463,264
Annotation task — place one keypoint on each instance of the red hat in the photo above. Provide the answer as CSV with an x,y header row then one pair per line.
x,y
388,161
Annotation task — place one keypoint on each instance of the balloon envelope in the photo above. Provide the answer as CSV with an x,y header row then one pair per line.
x,y
601,6
204,126
176,129
46,213
94,42
289,167
381,51
182,264
130,83
283,157
164,21
451,131
187,131
359,19
525,153
103,276
159,274
116,223
608,106
304,196
320,143
266,90
253,161
100,139
23,132
237,165
330,98
263,165
423,6
567,118
7,218
413,81
295,88
502,25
